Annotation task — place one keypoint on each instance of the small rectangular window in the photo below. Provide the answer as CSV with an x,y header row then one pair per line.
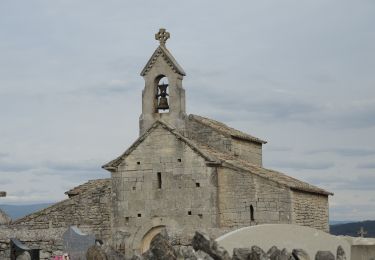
x,y
127,219
138,163
189,212
179,160
139,215
197,184
159,180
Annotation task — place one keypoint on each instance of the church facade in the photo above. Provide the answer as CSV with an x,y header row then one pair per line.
x,y
184,173
187,172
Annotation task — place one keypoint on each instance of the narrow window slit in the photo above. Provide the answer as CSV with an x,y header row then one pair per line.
x,y
252,213
159,180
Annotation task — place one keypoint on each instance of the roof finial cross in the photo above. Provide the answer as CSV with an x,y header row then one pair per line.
x,y
162,36
362,232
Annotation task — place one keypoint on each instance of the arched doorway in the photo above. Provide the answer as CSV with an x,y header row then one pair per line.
x,y
147,238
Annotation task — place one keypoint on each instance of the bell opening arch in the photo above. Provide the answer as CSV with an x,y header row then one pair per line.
x,y
161,85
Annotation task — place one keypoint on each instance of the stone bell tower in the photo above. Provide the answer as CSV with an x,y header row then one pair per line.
x,y
163,97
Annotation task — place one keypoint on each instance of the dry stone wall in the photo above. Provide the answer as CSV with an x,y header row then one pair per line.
x,y
48,240
246,199
310,209
89,210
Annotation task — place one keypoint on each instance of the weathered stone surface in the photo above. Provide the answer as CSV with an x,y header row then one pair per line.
x,y
324,255
300,254
273,252
257,253
284,255
340,254
203,255
160,248
241,253
185,252
203,242
96,252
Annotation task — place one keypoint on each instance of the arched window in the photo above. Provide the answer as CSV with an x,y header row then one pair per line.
x,y
162,94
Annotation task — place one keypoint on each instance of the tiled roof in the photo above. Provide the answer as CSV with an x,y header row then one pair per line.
x,y
281,178
223,128
91,184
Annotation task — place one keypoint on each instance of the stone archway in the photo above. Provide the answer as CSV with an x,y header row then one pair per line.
x,y
147,238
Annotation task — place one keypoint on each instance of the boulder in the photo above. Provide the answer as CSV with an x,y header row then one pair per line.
x,y
340,255
185,252
324,255
284,255
257,253
204,243
241,253
160,248
273,253
300,254
203,255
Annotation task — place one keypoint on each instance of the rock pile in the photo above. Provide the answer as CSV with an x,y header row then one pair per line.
x,y
204,248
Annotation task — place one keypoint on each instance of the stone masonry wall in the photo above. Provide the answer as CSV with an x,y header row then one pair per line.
x,y
207,135
48,240
311,210
245,150
163,182
239,191
248,151
89,210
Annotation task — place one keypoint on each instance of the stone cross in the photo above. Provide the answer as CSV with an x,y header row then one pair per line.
x,y
162,36
362,232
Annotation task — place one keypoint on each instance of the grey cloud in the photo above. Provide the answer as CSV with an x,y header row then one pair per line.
x,y
5,181
352,211
368,165
345,151
3,155
15,167
301,165
271,148
72,166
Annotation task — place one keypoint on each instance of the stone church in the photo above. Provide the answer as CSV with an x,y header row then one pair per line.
x,y
183,173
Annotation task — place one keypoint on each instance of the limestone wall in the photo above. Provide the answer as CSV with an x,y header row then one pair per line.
x,y
246,150
207,135
239,191
163,182
89,210
310,209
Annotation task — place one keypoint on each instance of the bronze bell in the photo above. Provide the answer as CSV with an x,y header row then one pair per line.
x,y
163,101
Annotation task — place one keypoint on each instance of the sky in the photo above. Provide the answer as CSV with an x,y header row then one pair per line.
x,y
299,74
